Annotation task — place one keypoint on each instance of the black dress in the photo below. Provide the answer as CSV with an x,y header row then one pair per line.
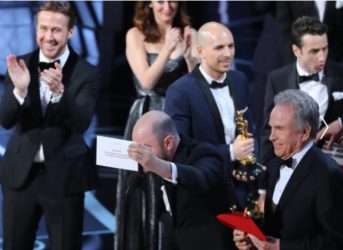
x,y
139,198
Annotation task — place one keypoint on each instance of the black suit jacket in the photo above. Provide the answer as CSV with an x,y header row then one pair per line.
x,y
200,194
289,11
60,130
286,78
309,213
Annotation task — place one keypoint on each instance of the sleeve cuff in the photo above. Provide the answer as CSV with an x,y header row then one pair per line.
x,y
55,98
232,155
18,97
262,191
174,174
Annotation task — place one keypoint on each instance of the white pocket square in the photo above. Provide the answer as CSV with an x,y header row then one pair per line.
x,y
337,95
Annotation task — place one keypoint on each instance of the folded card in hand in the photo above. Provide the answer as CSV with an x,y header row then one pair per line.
x,y
237,220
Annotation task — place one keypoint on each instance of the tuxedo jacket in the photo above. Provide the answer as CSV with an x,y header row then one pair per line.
x,y
289,11
60,130
201,192
286,78
189,101
309,213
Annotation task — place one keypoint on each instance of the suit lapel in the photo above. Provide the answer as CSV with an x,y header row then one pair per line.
x,y
203,84
274,173
33,90
232,89
330,14
292,79
302,170
329,81
69,68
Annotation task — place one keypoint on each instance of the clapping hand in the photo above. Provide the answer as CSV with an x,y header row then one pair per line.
x,y
172,37
53,78
187,42
19,74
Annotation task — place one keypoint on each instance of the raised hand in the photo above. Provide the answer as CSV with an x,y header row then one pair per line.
x,y
187,42
19,74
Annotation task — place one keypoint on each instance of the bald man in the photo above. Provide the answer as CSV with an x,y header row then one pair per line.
x,y
203,103
194,178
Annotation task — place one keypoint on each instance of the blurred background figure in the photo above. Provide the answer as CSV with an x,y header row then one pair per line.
x,y
328,12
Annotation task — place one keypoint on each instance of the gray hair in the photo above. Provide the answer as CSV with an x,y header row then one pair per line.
x,y
306,109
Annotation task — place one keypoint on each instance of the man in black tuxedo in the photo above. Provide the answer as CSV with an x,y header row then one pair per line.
x,y
328,12
303,208
49,100
196,184
311,73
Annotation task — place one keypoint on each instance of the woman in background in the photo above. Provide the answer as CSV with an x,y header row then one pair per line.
x,y
159,49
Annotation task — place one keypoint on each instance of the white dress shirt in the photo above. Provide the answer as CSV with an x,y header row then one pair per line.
x,y
286,173
226,109
321,5
316,89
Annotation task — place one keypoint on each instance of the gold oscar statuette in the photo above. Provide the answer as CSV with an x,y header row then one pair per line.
x,y
248,165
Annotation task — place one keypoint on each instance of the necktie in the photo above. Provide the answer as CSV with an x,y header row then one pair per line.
x,y
44,65
288,162
217,85
313,77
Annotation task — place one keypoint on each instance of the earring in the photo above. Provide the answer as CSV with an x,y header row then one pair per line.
x,y
150,5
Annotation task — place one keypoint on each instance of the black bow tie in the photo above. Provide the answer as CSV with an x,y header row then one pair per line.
x,y
217,85
287,163
44,65
313,77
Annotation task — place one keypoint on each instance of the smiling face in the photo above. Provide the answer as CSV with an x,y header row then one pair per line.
x,y
313,53
287,139
164,11
217,50
52,33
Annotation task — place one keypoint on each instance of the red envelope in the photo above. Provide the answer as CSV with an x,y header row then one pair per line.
x,y
236,220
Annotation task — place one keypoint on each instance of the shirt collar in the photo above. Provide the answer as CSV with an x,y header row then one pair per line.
x,y
63,58
297,157
209,79
302,72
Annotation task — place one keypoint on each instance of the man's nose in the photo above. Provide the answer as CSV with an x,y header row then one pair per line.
x,y
272,135
49,35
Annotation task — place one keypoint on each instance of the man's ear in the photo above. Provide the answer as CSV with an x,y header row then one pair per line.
x,y
296,50
200,51
169,141
306,133
70,33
